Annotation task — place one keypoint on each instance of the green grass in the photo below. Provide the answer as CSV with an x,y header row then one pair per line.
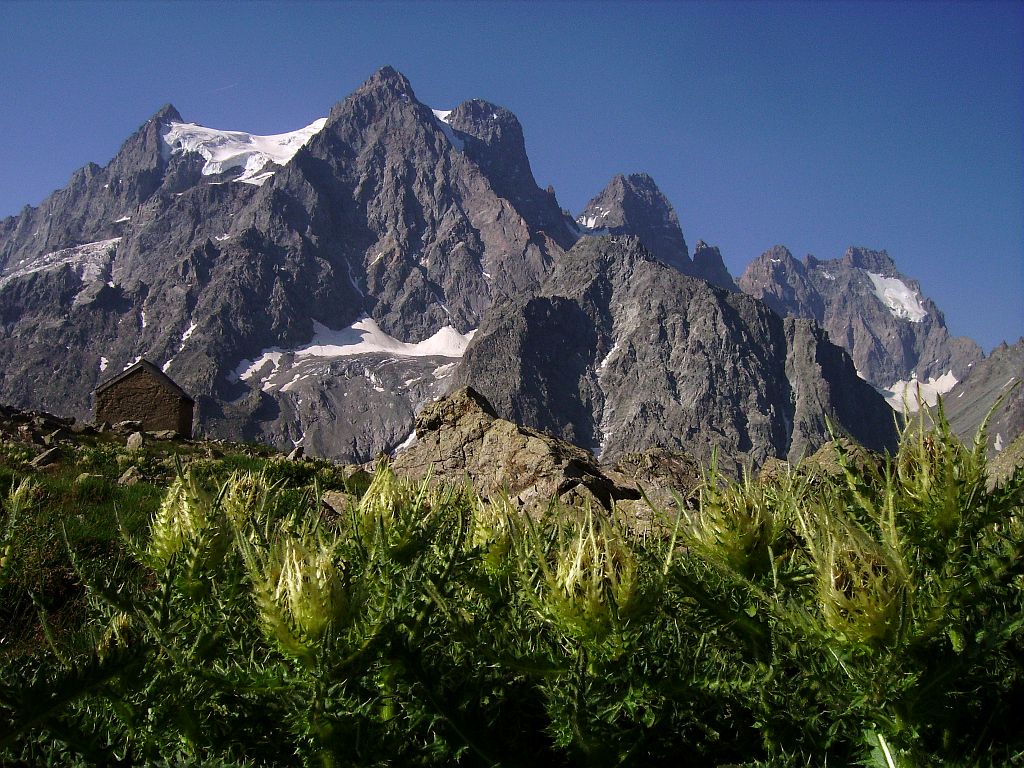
x,y
871,614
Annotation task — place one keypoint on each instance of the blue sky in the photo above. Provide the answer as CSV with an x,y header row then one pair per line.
x,y
814,125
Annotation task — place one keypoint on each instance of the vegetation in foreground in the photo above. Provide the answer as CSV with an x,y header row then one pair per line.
x,y
867,615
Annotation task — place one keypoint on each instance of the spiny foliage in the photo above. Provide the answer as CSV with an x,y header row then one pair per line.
x,y
873,615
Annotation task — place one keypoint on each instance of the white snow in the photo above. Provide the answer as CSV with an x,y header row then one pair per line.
x,y
362,337
998,445
122,219
227,150
442,116
900,298
184,337
103,364
608,411
133,362
443,371
827,275
188,334
91,262
407,443
915,392
142,318
608,358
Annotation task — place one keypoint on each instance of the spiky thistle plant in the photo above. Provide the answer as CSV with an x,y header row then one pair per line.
x,y
588,578
736,526
185,515
19,499
298,584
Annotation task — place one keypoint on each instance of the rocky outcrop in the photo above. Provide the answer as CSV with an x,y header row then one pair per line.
x,y
461,436
892,331
617,352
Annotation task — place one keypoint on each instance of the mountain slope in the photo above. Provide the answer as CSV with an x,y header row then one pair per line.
x,y
387,213
895,335
997,376
617,352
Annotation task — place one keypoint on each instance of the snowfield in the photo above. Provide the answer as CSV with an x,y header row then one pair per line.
x,y
914,392
91,262
227,150
900,298
362,337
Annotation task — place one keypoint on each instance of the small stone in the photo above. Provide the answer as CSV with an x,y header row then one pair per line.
x,y
134,442
86,477
296,453
164,434
337,503
50,456
81,428
51,439
126,427
131,476
103,426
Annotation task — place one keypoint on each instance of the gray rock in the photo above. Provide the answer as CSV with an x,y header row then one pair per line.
x,y
633,205
996,379
46,458
460,437
131,476
618,353
134,442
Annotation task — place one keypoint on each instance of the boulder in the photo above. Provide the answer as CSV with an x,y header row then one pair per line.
x,y
131,476
47,457
461,437
134,442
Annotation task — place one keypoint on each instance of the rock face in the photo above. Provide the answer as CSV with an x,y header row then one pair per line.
x,y
708,265
893,333
461,436
385,213
633,205
318,288
969,402
617,352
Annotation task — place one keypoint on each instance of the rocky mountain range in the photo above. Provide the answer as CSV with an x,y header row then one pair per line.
x,y
897,337
320,287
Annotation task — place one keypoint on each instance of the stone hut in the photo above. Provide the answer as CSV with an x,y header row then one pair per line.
x,y
142,392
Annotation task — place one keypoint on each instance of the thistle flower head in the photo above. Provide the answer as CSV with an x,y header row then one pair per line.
x,y
300,592
184,517
594,582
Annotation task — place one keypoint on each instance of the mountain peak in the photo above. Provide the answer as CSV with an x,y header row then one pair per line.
x,y
865,258
167,114
634,205
388,79
709,265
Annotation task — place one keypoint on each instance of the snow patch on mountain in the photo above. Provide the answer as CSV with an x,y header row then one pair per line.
x,y
90,261
227,150
442,116
362,337
900,298
909,395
